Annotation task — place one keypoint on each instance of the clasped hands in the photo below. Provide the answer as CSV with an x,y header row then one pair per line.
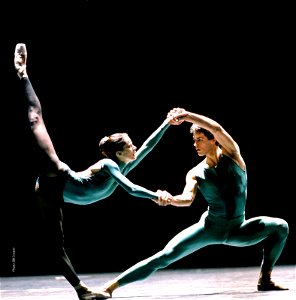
x,y
176,116
164,198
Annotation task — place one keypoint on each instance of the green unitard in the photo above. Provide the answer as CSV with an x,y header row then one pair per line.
x,y
83,191
67,186
224,187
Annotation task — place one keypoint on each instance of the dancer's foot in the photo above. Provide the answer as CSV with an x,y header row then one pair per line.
x,y
109,287
269,286
106,291
20,60
85,293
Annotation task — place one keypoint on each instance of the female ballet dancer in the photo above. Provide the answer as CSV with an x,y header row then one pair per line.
x,y
58,183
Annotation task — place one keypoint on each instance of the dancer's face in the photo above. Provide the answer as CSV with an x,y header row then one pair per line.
x,y
128,152
202,144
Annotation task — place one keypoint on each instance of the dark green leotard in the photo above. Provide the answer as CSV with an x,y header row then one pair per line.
x,y
102,184
224,188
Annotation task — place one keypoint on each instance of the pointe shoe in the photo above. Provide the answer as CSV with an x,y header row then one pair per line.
x,y
20,60
265,286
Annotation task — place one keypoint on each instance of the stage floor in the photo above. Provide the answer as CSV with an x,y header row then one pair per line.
x,y
183,284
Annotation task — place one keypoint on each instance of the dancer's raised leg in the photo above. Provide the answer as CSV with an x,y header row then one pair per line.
x,y
49,194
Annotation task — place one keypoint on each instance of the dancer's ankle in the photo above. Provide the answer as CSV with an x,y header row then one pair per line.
x,y
110,287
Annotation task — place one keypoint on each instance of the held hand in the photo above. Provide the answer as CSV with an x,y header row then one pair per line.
x,y
164,198
176,116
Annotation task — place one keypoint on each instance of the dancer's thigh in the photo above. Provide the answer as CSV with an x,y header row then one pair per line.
x,y
252,231
191,239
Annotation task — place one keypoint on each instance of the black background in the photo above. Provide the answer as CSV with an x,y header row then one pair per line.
x,y
100,69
